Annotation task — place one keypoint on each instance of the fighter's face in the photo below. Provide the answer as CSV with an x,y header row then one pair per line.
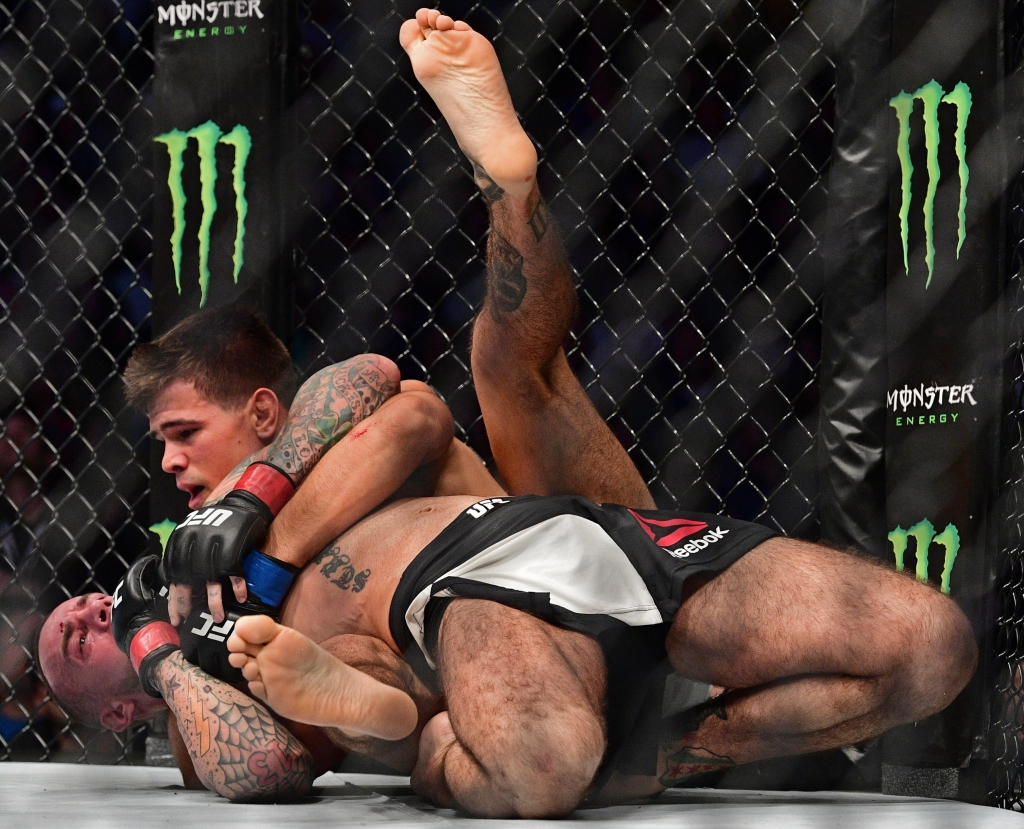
x,y
203,441
79,656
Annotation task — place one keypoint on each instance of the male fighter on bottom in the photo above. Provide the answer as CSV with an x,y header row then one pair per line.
x,y
547,622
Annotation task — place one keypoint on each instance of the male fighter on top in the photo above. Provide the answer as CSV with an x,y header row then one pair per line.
x,y
549,620
531,703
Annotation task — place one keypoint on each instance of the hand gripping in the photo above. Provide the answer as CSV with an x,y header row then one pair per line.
x,y
213,542
138,621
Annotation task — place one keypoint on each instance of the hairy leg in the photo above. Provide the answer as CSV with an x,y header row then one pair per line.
x,y
819,649
546,436
523,735
302,681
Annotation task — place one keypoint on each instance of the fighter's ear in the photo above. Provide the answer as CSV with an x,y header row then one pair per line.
x,y
118,715
266,412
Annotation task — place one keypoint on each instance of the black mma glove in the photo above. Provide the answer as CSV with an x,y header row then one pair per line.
x,y
214,542
204,642
138,621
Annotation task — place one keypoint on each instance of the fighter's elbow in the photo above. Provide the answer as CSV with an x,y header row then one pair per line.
x,y
427,427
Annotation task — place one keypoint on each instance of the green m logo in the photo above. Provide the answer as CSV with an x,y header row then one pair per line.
x,y
931,95
207,137
923,534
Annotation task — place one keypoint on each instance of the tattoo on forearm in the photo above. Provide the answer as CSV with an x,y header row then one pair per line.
x,y
507,285
235,744
488,187
326,408
681,749
538,220
332,561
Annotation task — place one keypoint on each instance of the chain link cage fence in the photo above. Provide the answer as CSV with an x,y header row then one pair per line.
x,y
684,152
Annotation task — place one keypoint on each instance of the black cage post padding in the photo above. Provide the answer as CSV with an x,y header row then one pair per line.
x,y
221,156
223,153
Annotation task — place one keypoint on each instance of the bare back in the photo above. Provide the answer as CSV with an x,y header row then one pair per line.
x,y
348,588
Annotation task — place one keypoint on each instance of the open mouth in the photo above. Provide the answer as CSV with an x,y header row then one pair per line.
x,y
195,496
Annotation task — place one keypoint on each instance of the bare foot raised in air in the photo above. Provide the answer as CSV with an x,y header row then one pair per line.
x,y
301,681
460,71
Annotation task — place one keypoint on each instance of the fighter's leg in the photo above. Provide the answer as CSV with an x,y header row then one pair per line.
x,y
544,432
302,681
819,649
523,735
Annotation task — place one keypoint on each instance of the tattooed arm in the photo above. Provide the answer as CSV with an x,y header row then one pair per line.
x,y
359,473
236,747
324,410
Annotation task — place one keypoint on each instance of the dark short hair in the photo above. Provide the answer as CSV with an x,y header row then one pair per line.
x,y
226,352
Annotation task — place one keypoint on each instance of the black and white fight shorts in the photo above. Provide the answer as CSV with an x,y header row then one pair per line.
x,y
611,572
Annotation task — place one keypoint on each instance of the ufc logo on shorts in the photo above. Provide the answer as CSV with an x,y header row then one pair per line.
x,y
217,634
210,517
481,509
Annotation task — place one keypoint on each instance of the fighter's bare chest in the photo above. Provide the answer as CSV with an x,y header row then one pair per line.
x,y
348,587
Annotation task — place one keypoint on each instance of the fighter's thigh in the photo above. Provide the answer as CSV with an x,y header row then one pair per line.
x,y
789,607
519,691
547,437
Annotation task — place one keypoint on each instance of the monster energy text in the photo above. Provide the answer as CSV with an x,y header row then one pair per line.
x,y
931,95
207,137
942,398
923,533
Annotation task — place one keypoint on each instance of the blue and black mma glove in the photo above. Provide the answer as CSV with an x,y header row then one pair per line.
x,y
221,540
138,621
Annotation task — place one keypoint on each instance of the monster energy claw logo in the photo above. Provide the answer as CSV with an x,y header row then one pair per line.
x,y
923,534
207,137
931,95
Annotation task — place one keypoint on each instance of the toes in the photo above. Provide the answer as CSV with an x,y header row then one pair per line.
x,y
410,34
258,690
251,670
257,629
462,26
237,660
444,23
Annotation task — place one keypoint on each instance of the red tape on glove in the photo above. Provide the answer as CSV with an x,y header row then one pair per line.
x,y
151,637
270,485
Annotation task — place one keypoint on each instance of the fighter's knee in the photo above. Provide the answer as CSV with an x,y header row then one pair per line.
x,y
939,655
560,769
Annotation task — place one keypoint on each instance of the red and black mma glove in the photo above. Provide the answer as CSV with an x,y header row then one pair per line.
x,y
221,540
138,621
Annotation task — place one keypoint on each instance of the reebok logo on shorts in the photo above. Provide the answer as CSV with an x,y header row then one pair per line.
x,y
667,532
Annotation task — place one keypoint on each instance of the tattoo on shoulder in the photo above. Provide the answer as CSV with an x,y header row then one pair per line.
x,y
337,568
326,408
488,187
507,283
